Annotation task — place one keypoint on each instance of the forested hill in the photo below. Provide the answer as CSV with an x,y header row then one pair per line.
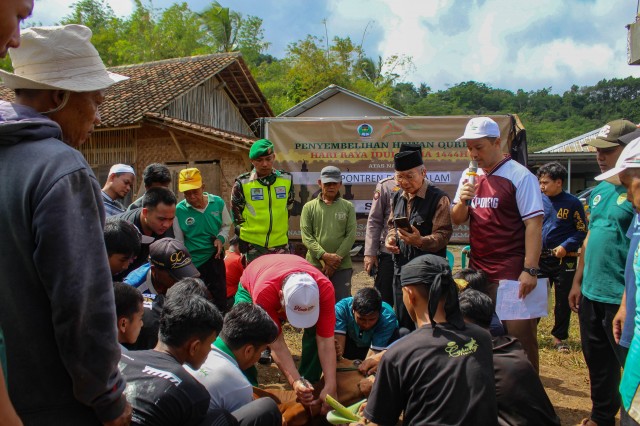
x,y
549,118
313,63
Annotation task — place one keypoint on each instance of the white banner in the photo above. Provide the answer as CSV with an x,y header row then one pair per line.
x,y
367,178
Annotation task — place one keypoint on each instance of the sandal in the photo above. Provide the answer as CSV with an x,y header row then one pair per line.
x,y
587,422
564,348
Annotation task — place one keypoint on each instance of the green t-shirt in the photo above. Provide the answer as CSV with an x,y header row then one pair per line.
x,y
201,228
606,255
328,228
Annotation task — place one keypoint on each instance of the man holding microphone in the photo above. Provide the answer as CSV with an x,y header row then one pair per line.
x,y
505,213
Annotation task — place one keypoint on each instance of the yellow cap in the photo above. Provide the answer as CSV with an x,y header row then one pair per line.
x,y
189,179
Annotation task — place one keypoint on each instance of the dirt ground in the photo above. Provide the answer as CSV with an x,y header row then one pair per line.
x,y
564,375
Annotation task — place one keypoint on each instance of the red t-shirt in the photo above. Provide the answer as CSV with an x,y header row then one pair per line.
x,y
234,269
263,280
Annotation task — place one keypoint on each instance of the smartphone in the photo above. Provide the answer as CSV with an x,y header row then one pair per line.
x,y
402,223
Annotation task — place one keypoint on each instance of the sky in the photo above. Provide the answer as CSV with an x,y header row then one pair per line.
x,y
507,44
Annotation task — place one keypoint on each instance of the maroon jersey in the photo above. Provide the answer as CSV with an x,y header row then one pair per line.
x,y
506,196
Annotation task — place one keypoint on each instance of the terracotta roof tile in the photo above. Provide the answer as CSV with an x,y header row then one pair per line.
x,y
234,138
153,85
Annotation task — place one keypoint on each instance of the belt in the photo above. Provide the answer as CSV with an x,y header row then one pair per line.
x,y
549,253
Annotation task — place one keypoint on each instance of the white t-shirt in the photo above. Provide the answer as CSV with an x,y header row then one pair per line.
x,y
221,375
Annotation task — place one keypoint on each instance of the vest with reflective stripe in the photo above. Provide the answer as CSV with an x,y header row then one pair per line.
x,y
266,217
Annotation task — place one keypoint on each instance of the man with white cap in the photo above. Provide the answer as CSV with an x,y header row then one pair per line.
x,y
291,289
328,227
118,185
61,294
627,173
599,283
505,213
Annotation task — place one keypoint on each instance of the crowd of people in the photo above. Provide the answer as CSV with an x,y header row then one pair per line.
x,y
192,321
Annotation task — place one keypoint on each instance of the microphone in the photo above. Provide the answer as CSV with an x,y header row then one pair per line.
x,y
472,172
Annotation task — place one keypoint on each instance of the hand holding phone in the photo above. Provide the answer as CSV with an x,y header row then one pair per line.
x,y
402,222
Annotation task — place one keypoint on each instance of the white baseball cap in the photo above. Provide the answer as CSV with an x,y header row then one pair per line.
x,y
301,300
121,168
629,158
480,127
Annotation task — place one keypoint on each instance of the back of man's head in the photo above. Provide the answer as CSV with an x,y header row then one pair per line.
x,y
188,287
157,195
430,276
247,323
475,279
121,237
367,301
128,300
476,307
156,173
185,318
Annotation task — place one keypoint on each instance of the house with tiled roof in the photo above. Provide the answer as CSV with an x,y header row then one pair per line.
x,y
336,101
580,161
197,111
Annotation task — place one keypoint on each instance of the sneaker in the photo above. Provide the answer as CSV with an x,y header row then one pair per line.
x,y
265,357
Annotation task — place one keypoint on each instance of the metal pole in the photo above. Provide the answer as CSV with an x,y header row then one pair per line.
x,y
569,175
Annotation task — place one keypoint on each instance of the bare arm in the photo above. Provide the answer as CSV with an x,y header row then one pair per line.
x,y
532,249
341,340
327,354
284,360
618,320
574,294
9,416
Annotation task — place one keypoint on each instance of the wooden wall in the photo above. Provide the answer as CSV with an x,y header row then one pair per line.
x,y
205,155
208,104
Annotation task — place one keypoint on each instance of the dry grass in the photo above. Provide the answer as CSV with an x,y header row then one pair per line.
x,y
564,375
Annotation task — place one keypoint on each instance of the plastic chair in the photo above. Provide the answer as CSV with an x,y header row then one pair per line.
x,y
466,251
450,258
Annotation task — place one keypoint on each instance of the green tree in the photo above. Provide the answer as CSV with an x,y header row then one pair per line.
x,y
251,41
100,18
221,26
179,30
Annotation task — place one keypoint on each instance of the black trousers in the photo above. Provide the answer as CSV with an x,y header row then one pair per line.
x,y
604,358
560,273
213,273
384,277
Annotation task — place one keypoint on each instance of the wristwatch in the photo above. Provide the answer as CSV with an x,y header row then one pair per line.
x,y
532,271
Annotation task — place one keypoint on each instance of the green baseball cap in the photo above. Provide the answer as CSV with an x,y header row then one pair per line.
x,y
608,135
260,148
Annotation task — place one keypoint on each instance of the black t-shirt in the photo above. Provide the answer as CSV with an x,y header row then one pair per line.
x,y
437,376
161,391
522,399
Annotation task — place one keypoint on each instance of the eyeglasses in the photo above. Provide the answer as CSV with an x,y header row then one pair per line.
x,y
405,178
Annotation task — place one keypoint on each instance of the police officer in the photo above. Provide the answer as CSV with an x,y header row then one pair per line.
x,y
260,203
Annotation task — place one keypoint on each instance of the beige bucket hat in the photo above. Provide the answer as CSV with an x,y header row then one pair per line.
x,y
58,58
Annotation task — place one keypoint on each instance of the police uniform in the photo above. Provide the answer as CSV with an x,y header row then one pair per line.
x,y
376,234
